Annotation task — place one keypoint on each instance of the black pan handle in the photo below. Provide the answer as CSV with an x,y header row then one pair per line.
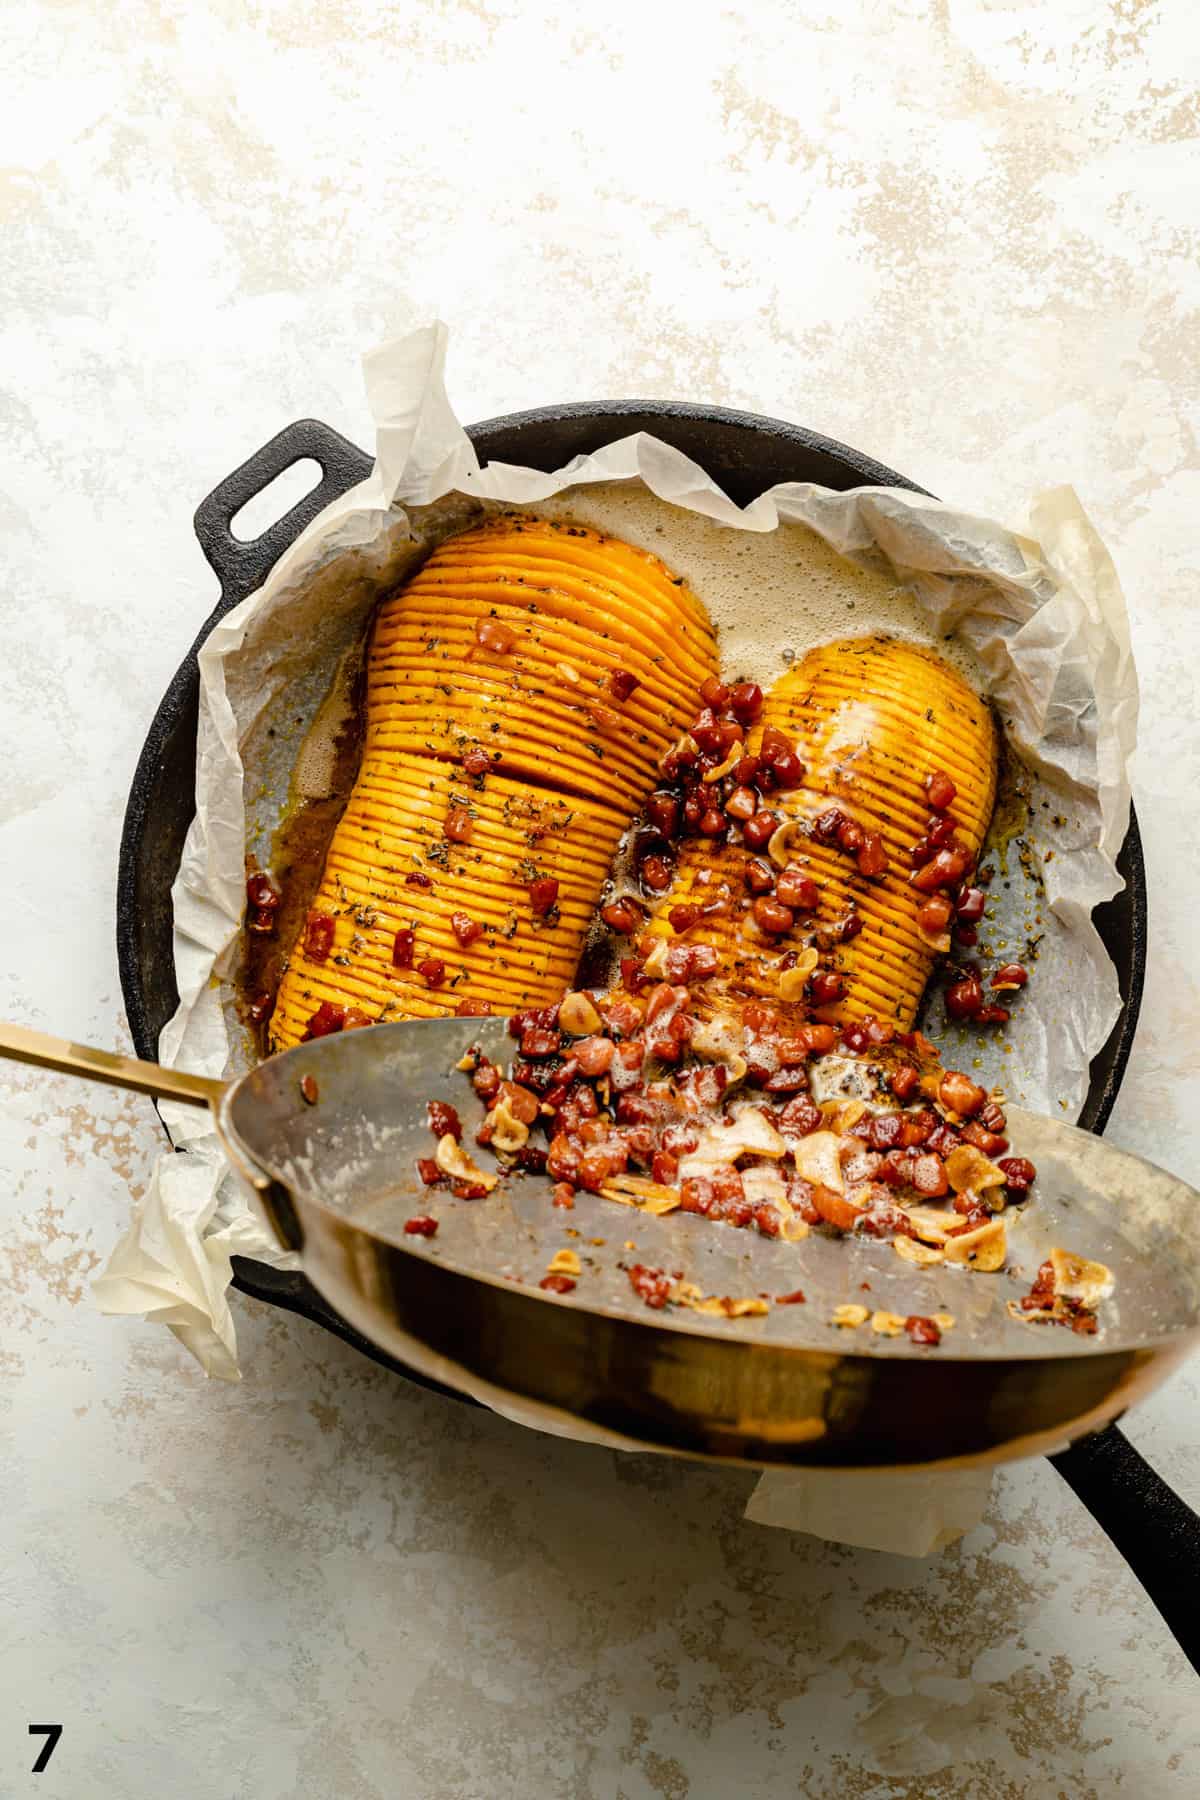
x,y
239,567
1156,1532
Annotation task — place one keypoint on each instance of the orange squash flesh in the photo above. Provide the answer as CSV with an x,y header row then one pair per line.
x,y
569,764
871,717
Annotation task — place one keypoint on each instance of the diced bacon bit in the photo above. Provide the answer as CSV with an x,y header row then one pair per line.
x,y
418,880
826,987
795,1298
656,873
742,804
746,702
964,999
796,889
1019,1173
833,1208
928,1175
564,1196
594,1055
486,1079
459,825
923,1330
429,1172
402,948
421,1226
990,1142
759,876
443,1119
904,1081
935,915
476,761
493,635
433,969
940,790
959,1094
328,1018
968,907
319,928
800,1117
543,895
662,811
758,830
472,1009
992,1118
310,1093
944,870
664,1167
468,1190
356,1019
260,1008
621,684
558,1284
261,892
465,928
622,916
1011,976
770,916
651,1285
872,857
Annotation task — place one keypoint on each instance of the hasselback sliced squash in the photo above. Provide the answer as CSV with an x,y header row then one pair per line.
x,y
495,772
870,718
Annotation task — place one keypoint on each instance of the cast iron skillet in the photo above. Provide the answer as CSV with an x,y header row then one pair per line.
x,y
745,453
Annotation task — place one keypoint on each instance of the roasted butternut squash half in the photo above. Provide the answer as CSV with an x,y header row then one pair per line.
x,y
521,690
870,719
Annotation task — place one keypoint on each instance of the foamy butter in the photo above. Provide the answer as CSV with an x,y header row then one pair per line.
x,y
772,595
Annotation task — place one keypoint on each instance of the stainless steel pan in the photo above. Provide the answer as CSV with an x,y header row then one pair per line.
x,y
336,1180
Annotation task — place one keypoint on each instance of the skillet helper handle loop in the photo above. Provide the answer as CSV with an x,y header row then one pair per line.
x,y
1155,1531
242,567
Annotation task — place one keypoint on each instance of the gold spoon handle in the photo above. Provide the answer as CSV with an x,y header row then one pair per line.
x,y
19,1044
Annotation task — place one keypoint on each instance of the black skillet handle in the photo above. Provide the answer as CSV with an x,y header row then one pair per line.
x,y
1156,1532
240,567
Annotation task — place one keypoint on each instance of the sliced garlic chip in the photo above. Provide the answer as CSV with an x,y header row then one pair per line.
x,y
564,1262
1075,1278
817,1158
779,845
736,754
849,1316
508,1132
793,981
723,1307
453,1160
983,1249
887,1324
647,1196
656,963
922,1255
930,1224
577,1015
967,1167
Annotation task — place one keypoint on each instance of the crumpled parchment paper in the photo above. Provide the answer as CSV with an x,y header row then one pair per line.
x,y
1043,614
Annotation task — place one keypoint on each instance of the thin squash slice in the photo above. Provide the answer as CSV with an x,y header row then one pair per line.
x,y
870,718
521,690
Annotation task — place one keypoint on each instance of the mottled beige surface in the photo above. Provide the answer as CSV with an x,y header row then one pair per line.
x,y
961,235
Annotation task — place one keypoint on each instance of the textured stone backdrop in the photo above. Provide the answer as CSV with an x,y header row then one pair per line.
x,y
960,234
